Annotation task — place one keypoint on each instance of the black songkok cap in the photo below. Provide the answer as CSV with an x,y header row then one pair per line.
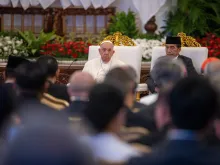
x,y
14,62
173,40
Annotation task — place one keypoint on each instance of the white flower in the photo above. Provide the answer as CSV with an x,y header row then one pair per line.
x,y
5,49
147,46
18,42
9,42
15,51
1,44
7,38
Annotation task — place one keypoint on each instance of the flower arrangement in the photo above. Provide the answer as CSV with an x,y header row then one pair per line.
x,y
147,47
12,46
212,42
71,49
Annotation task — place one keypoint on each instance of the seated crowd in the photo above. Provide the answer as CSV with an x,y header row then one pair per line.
x,y
95,119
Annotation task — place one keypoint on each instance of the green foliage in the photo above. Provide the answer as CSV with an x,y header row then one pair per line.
x,y
34,43
124,23
194,17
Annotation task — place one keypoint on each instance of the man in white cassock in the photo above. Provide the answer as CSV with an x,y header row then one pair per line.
x,y
100,66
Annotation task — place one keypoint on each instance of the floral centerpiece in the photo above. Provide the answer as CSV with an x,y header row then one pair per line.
x,y
212,42
147,47
12,46
67,50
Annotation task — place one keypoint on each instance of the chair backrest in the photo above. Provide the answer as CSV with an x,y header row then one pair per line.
x,y
197,54
130,55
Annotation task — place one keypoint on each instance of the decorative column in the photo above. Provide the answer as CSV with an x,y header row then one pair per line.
x,y
58,22
48,20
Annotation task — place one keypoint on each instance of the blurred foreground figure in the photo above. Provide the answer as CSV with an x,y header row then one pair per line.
x,y
31,81
106,114
50,145
56,90
80,84
135,126
193,104
212,68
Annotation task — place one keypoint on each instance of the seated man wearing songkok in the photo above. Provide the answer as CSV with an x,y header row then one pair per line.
x,y
98,67
173,48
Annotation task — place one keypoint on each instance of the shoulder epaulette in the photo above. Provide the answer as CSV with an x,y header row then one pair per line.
x,y
54,102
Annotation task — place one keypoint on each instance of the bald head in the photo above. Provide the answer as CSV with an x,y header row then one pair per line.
x,y
212,68
80,83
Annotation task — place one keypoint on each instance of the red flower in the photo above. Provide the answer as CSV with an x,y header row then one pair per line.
x,y
74,55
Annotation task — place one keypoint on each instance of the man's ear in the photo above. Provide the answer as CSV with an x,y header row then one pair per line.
x,y
58,72
99,51
46,86
4,76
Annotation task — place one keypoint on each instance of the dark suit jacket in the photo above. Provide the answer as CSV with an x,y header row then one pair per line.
x,y
32,111
58,91
76,108
180,152
189,67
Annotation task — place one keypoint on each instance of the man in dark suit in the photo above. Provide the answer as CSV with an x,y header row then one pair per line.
x,y
31,81
56,90
78,89
173,48
192,105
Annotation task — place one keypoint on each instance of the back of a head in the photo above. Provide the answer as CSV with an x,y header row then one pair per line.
x,y
212,68
167,71
12,64
120,78
47,145
193,103
105,102
131,72
7,104
31,76
81,82
51,64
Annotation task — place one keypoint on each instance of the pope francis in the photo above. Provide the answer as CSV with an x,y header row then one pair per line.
x,y
99,67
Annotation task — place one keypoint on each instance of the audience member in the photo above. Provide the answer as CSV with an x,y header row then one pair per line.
x,y
166,73
106,114
56,90
31,80
135,126
206,63
212,68
79,86
193,103
48,145
10,70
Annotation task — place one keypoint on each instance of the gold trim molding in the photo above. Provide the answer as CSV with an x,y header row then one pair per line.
x,y
188,41
119,40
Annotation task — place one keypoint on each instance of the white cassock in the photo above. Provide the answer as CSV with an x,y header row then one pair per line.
x,y
108,147
98,69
